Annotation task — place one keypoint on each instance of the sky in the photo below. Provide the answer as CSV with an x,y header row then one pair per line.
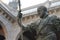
x,y
26,3
6,1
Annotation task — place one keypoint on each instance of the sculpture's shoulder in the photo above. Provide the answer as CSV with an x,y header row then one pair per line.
x,y
52,16
54,20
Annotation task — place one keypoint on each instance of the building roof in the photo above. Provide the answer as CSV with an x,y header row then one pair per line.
x,y
55,4
8,9
52,6
13,13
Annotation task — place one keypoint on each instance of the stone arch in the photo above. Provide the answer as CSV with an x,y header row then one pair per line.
x,y
6,26
11,30
17,37
3,30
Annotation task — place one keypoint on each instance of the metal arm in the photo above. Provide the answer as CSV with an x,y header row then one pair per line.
x,y
19,19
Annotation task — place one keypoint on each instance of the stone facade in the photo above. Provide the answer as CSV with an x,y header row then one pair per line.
x,y
10,28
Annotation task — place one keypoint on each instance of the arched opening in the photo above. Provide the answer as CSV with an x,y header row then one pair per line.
x,y
29,35
2,33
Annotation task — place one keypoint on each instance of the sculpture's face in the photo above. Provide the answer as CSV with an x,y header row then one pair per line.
x,y
41,13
